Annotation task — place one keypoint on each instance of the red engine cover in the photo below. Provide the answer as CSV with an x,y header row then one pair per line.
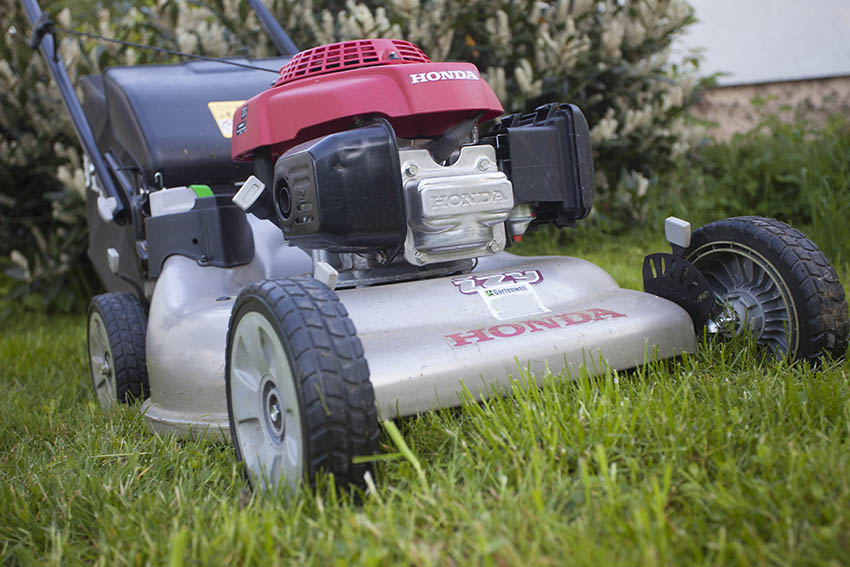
x,y
320,91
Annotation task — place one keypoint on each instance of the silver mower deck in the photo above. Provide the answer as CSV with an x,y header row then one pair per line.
x,y
424,340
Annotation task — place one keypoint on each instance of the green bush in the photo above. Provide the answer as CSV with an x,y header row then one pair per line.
x,y
611,58
42,235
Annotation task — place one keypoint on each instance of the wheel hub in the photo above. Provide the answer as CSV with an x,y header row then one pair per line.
x,y
743,312
264,410
750,292
106,368
272,405
100,357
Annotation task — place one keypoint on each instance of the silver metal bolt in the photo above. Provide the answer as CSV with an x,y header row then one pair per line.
x,y
493,246
274,414
421,256
411,169
381,257
484,164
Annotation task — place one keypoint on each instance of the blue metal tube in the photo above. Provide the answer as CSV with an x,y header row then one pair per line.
x,y
280,39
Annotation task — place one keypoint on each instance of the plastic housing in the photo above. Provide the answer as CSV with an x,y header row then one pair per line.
x,y
548,158
342,192
418,99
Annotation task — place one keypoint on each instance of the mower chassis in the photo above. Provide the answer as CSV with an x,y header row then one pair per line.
x,y
425,341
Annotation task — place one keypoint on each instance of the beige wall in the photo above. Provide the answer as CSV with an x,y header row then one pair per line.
x,y
811,99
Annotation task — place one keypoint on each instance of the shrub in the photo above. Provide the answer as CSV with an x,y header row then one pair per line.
x,y
42,234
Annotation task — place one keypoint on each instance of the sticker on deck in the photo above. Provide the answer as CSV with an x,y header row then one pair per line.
x,y
471,283
222,112
512,300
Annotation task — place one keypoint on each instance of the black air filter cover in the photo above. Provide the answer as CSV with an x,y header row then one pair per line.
x,y
342,192
548,158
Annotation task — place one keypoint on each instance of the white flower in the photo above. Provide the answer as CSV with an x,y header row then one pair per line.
x,y
21,261
612,38
495,77
524,76
605,129
499,29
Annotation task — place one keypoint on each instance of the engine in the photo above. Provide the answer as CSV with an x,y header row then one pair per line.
x,y
373,161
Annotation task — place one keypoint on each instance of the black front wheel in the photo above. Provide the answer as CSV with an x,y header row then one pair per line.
x,y
772,281
297,383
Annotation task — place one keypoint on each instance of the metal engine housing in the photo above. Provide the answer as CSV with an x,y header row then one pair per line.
x,y
454,212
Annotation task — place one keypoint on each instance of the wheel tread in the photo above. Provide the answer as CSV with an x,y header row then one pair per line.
x,y
125,322
339,414
824,319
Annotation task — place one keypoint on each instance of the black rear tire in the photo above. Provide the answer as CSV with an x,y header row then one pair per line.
x,y
117,325
299,397
773,281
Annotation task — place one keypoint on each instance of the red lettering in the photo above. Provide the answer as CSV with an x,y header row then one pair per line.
x,y
600,314
507,330
549,323
467,338
575,318
496,331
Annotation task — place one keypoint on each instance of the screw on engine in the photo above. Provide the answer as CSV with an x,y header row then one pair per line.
x,y
411,169
484,164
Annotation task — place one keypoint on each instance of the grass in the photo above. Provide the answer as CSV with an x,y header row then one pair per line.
x,y
722,457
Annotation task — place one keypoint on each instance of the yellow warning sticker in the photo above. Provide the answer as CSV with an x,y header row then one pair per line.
x,y
222,112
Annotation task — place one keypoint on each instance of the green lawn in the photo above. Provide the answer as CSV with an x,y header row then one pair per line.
x,y
718,458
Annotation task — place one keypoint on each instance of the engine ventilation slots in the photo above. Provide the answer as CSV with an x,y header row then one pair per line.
x,y
349,55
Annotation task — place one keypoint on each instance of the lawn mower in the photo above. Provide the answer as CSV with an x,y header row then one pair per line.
x,y
288,263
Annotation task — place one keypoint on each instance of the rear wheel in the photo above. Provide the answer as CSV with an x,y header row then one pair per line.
x,y
772,281
297,383
116,340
